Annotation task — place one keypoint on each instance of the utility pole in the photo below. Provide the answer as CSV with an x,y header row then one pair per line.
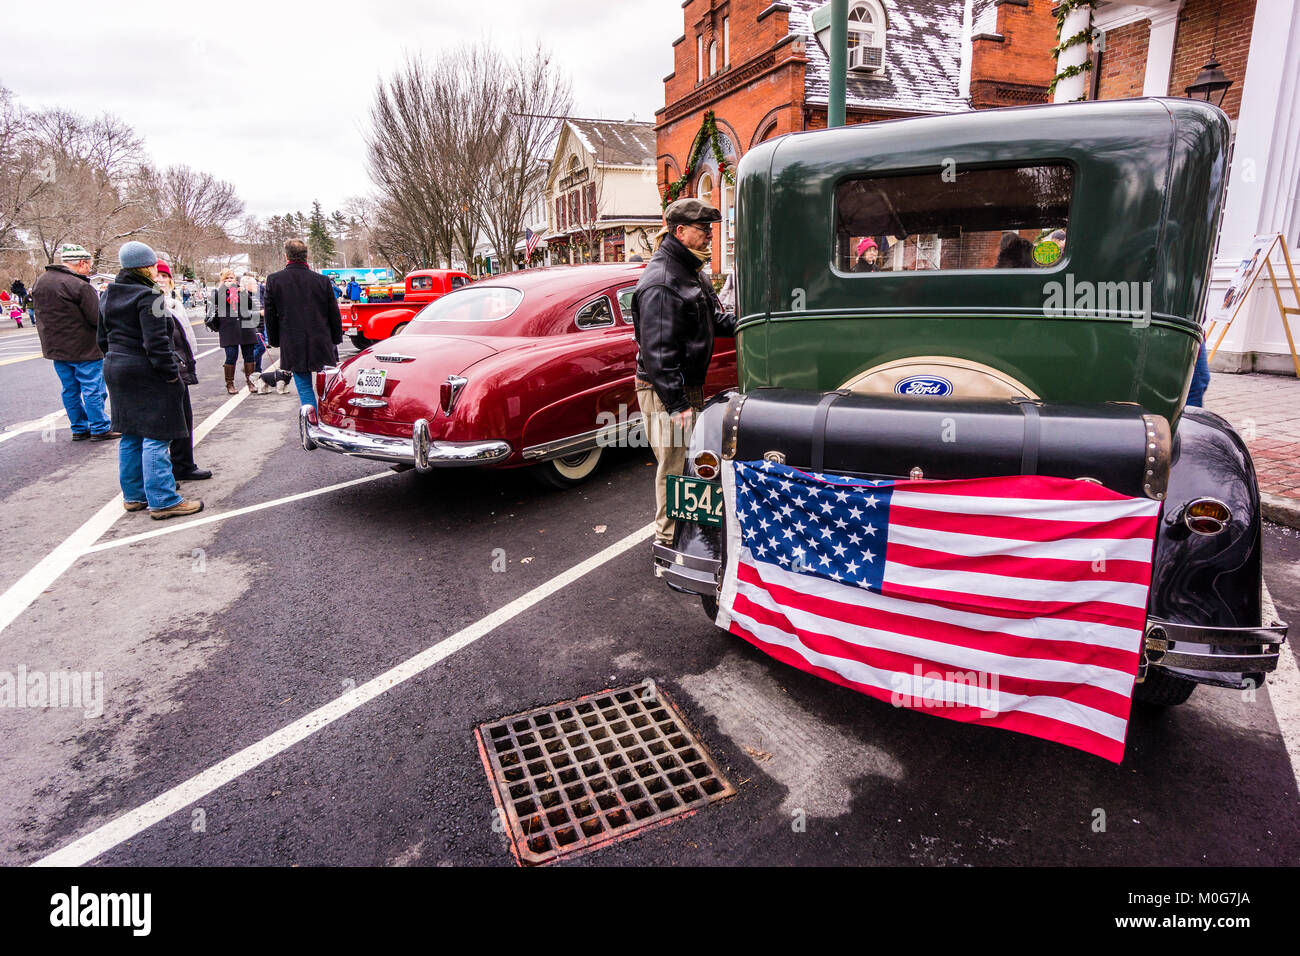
x,y
839,62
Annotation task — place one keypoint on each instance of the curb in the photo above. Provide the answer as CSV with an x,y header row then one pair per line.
x,y
1280,510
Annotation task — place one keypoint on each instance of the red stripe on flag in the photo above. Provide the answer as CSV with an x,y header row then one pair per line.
x,y
1030,724
1021,529
1085,695
1024,487
1098,612
1011,566
996,642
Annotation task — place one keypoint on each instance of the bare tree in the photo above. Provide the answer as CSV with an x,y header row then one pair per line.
x,y
194,211
537,96
91,189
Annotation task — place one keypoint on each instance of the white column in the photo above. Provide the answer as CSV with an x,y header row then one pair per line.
x,y
1160,53
1263,186
1072,87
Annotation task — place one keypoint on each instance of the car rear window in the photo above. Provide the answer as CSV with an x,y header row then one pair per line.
x,y
472,304
953,218
421,283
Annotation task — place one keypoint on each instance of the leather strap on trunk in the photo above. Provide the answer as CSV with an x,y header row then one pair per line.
x,y
1033,436
820,415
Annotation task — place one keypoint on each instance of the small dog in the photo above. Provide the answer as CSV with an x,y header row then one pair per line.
x,y
265,380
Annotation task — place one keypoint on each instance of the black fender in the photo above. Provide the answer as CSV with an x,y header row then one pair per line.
x,y
1208,580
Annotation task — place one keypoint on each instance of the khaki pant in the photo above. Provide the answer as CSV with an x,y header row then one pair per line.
x,y
669,443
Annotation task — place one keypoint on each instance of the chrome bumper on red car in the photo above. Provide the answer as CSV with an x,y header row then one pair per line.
x,y
419,450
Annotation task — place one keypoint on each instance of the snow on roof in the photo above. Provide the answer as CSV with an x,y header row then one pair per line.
x,y
922,57
984,16
616,142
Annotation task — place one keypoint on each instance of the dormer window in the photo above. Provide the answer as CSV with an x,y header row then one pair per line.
x,y
867,26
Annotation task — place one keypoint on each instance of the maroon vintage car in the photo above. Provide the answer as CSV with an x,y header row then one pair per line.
x,y
529,368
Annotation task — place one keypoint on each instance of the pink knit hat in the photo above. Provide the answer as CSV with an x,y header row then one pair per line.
x,y
866,244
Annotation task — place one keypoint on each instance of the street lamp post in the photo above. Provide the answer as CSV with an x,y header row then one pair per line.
x,y
839,62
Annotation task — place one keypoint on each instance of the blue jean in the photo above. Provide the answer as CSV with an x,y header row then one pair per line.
x,y
258,352
84,395
302,381
1200,380
144,469
232,352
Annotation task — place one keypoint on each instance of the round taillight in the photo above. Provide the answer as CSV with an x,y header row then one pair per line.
x,y
706,465
1207,516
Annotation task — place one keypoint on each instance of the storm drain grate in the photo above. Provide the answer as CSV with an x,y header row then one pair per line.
x,y
583,773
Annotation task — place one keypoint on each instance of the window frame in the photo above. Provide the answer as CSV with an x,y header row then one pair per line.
x,y
625,313
613,320
1061,264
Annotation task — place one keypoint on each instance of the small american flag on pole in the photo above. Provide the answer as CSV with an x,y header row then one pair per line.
x,y
530,243
1019,601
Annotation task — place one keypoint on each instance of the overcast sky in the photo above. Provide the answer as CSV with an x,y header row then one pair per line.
x,y
273,95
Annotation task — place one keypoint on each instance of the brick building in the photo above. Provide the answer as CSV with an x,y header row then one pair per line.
x,y
760,69
600,195
1157,48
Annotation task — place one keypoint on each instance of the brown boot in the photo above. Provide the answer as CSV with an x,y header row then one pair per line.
x,y
248,377
230,379
191,507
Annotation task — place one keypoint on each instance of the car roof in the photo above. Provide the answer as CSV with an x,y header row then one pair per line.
x,y
555,279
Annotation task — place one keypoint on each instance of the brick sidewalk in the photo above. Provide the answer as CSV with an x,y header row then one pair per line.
x,y
1265,410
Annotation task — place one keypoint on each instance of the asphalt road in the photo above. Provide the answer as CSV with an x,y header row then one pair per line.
x,y
215,637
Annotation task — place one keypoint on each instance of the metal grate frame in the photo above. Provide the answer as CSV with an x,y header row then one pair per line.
x,y
580,774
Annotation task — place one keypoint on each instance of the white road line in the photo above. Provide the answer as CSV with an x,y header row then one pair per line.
x,y
33,426
210,519
28,588
123,828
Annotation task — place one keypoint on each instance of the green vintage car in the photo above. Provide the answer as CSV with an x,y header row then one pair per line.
x,y
999,293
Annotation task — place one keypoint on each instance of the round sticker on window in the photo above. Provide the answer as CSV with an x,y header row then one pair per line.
x,y
1046,252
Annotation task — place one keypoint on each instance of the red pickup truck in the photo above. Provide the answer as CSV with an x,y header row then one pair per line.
x,y
369,322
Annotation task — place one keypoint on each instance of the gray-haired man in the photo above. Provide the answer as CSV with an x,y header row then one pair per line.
x,y
67,320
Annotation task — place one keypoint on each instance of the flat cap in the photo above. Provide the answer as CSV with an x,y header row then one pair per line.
x,y
685,211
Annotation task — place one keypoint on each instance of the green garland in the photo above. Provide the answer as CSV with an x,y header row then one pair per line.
x,y
708,134
1083,36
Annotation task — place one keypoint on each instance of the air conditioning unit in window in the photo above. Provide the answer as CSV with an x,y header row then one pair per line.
x,y
867,59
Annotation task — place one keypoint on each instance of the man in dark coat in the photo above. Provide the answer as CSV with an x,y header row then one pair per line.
x,y
67,311
302,319
676,313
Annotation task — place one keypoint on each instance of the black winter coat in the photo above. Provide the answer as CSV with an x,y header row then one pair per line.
x,y
302,319
675,313
236,324
140,368
67,315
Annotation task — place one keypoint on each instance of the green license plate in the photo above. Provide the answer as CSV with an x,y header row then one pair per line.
x,y
693,499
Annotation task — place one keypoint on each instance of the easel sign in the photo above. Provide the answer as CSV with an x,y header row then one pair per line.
x,y
1259,260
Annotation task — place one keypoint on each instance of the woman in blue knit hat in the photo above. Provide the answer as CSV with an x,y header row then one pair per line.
x,y
144,384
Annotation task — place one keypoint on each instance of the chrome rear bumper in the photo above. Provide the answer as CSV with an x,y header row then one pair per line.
x,y
687,572
1208,652
419,450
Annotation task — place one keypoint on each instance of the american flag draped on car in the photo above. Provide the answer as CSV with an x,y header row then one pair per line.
x,y
1018,601
530,243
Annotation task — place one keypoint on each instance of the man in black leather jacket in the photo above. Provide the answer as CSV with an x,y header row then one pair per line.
x,y
676,314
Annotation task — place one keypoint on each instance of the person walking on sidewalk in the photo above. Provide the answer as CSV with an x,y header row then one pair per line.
x,y
68,318
256,298
675,315
143,376
186,347
302,319
230,313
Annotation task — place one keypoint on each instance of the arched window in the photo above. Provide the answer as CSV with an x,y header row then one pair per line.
x,y
704,190
713,58
866,24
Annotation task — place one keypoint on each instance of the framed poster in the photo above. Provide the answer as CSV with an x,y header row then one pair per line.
x,y
1222,308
